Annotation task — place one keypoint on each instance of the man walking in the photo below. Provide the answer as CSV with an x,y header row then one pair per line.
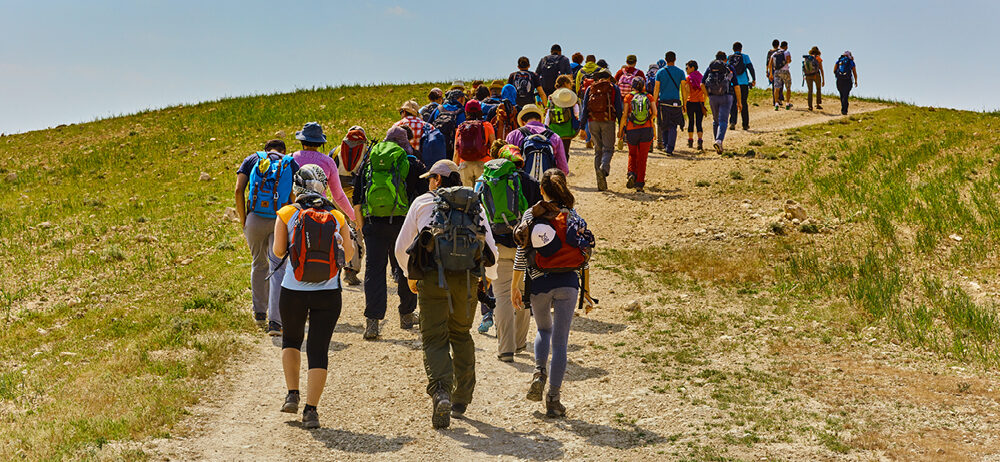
x,y
551,67
746,78
779,70
602,107
670,113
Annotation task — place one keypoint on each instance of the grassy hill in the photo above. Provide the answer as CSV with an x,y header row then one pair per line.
x,y
125,286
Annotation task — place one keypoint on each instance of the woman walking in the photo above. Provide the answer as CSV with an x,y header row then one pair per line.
x,y
563,113
847,76
636,128
311,288
694,96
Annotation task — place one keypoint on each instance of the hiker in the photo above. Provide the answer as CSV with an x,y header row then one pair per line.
x,y
602,107
482,92
389,182
720,84
576,64
551,67
263,186
746,78
582,81
813,76
348,157
627,74
670,112
553,243
694,92
540,147
503,115
526,83
475,86
312,138
506,192
435,98
778,69
472,144
637,129
563,114
410,116
846,74
310,289
449,116
447,246
775,46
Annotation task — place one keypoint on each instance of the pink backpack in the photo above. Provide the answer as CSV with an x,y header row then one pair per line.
x,y
625,81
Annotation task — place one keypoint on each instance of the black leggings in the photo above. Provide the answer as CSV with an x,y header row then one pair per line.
x,y
696,112
322,307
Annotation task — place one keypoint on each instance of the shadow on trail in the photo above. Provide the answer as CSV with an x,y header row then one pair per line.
x,y
651,195
594,326
633,436
358,443
575,372
496,441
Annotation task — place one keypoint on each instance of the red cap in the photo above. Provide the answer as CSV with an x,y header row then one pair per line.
x,y
473,106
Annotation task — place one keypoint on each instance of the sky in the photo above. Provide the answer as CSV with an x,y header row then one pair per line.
x,y
68,61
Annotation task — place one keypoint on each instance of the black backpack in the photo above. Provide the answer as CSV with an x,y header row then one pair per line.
x,y
522,83
447,123
718,78
779,60
549,71
427,112
737,63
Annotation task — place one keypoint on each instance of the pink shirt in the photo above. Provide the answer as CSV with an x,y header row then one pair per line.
x,y
333,178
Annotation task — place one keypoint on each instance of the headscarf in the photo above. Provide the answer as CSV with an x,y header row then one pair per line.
x,y
398,135
309,180
508,92
694,79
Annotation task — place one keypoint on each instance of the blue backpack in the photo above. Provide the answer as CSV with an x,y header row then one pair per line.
x,y
536,149
270,184
433,146
843,68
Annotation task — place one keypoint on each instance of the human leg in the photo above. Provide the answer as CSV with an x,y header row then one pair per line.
x,y
563,306
504,315
463,348
642,157
745,105
434,314
407,299
324,311
294,313
259,233
844,88
378,243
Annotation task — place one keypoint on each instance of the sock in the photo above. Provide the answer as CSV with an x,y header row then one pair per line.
x,y
309,407
293,392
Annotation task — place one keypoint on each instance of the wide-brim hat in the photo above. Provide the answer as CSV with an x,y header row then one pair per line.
x,y
527,109
564,97
410,107
311,132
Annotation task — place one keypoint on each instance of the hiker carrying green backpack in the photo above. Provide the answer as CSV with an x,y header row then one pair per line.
x,y
813,76
388,183
448,247
637,130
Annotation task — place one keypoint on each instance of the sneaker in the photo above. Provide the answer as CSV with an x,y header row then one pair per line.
x,y
732,126
788,106
521,348
506,357
776,107
273,328
590,145
537,386
810,108
260,319
371,329
602,180
487,323
351,277
690,143
746,127
630,181
441,417
458,410
701,145
310,419
819,106
661,147
553,408
291,405
406,321
718,147
640,189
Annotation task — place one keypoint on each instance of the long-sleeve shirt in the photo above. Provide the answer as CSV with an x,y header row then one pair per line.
x,y
516,138
419,217
329,167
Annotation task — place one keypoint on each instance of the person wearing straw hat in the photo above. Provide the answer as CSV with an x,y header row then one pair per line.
x,y
530,119
410,114
563,113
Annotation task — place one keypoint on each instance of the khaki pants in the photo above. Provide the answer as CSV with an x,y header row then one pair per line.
x,y
811,81
470,171
446,332
512,324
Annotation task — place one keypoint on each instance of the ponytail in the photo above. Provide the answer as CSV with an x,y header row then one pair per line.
x,y
554,184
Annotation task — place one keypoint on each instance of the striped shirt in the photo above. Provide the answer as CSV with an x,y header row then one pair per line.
x,y
542,282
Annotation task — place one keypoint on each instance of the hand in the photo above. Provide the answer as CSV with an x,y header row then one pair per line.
x,y
516,298
486,283
753,84
413,285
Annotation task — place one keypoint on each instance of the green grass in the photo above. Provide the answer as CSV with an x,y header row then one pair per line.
x,y
106,336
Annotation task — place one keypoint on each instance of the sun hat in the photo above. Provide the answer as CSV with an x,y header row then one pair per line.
x,y
496,84
411,107
457,85
398,135
443,167
309,179
528,108
311,132
564,97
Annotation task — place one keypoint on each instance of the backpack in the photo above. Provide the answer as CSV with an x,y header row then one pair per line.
x,y
470,141
315,247
457,241
385,177
433,146
549,71
639,109
810,66
500,192
586,80
600,102
447,122
650,82
270,184
779,60
717,78
522,83
576,243
843,68
536,149
625,81
559,115
736,62
427,112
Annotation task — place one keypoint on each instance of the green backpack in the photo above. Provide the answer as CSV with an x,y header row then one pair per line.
x,y
385,176
639,113
501,195
558,115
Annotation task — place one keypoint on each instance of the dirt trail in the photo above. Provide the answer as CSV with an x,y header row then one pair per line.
x,y
374,405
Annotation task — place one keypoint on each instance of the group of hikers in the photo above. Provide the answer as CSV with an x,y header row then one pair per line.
x,y
466,202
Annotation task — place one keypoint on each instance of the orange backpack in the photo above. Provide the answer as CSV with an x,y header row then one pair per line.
x,y
316,252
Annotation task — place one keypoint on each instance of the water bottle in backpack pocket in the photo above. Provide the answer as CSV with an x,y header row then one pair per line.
x,y
270,184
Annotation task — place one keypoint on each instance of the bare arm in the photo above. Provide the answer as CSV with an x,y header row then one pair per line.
x,y
855,71
241,202
541,94
516,286
280,246
345,240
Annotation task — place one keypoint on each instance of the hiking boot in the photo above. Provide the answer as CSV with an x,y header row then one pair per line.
x,y
351,277
640,188
273,328
506,357
441,417
260,319
590,145
718,147
520,348
630,181
371,329
690,143
458,410
406,321
810,108
537,386
602,180
701,146
746,127
732,126
553,408
487,323
291,405
310,419
776,107
661,147
819,107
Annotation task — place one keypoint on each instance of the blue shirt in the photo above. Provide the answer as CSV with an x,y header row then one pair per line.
x,y
670,79
744,78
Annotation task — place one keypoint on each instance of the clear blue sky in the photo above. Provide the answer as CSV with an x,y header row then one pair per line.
x,y
70,61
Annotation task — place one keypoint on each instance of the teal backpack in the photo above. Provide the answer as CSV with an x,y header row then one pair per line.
x,y
640,109
502,196
385,177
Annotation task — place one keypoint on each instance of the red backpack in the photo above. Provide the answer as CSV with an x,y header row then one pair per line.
x,y
600,104
577,244
316,252
470,140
